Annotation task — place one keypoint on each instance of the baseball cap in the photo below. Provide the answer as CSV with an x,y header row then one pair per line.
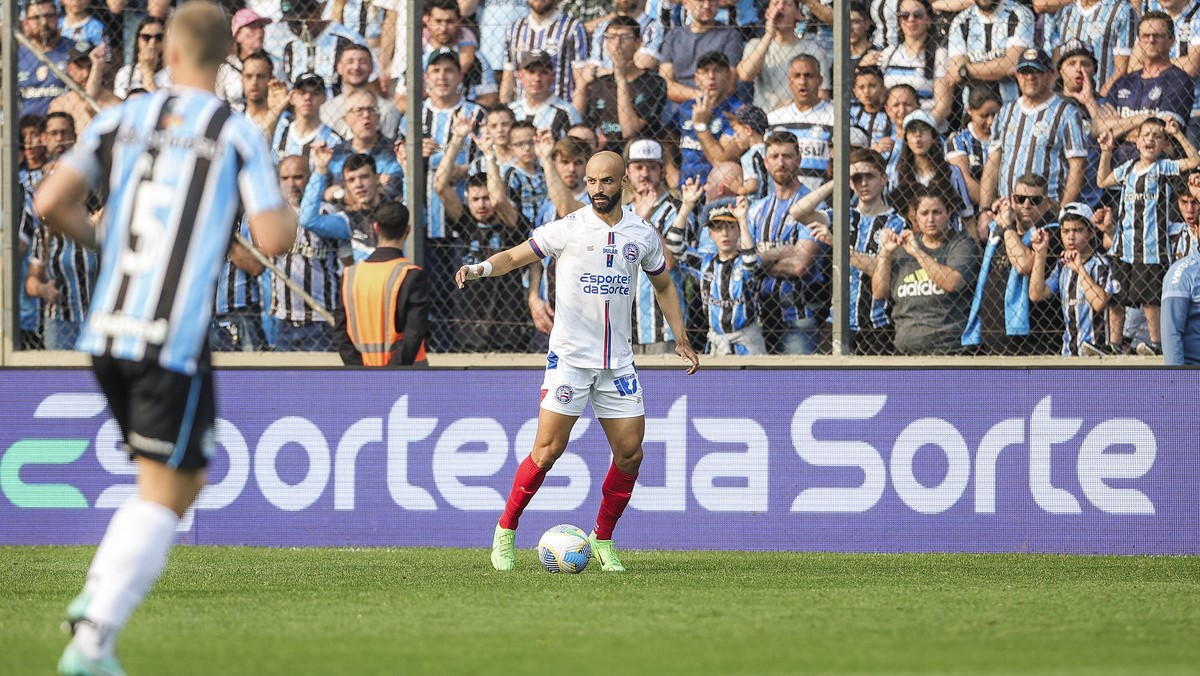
x,y
1077,211
1035,59
645,150
719,210
246,17
80,51
439,54
535,57
753,117
709,58
1076,48
309,80
921,116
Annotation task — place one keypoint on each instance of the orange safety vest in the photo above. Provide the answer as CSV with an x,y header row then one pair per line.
x,y
369,293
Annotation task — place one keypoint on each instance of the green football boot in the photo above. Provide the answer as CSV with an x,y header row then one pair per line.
x,y
504,555
604,550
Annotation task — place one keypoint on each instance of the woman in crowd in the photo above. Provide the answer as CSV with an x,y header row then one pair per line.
x,y
927,273
144,72
918,60
922,163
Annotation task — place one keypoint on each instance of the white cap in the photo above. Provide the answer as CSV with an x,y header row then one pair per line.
x,y
1077,210
919,115
645,150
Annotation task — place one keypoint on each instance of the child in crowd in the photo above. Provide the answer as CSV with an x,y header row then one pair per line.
x,y
867,110
1141,241
1083,280
749,124
78,24
729,278
524,176
967,149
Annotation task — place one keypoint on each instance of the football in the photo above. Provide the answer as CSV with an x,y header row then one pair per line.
x,y
564,549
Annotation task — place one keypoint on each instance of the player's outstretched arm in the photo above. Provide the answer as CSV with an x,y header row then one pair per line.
x,y
668,302
500,264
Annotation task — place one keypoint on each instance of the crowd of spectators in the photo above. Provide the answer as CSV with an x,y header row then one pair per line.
x,y
1022,173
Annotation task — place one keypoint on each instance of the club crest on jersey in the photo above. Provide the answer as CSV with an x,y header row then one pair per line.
x,y
630,251
564,394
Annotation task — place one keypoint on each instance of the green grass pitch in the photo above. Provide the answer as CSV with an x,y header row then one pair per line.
x,y
226,610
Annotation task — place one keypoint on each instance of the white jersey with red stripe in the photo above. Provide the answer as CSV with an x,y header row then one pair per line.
x,y
597,274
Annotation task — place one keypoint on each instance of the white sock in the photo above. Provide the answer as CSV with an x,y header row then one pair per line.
x,y
128,562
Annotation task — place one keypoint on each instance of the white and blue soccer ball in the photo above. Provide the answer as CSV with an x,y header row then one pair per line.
x,y
564,549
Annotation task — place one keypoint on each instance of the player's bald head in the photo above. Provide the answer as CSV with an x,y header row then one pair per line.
x,y
605,163
198,32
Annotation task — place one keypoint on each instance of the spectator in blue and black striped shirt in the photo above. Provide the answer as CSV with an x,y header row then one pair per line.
x,y
1040,133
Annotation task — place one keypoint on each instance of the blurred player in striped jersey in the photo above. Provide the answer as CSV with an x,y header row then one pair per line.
x,y
175,166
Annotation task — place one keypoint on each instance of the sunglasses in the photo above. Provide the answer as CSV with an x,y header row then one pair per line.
x,y
858,178
1028,199
150,37
905,16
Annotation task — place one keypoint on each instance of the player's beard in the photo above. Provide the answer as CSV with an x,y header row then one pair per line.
x,y
609,203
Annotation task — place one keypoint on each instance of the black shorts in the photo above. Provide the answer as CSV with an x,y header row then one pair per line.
x,y
164,416
1140,283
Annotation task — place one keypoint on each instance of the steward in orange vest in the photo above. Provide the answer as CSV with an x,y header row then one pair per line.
x,y
384,316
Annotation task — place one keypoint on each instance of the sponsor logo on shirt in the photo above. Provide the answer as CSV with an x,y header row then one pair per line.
x,y
918,284
605,285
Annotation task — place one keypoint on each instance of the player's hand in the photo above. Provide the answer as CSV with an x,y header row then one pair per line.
x,y
401,151
468,273
1171,127
684,349
1102,219
908,240
884,145
542,314
1105,141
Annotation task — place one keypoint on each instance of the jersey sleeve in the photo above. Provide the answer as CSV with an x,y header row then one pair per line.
x,y
550,239
1052,284
92,154
258,182
654,262
1176,304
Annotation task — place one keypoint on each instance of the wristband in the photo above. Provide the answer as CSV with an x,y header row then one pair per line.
x,y
484,269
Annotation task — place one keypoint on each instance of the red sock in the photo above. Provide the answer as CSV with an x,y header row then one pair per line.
x,y
527,481
617,488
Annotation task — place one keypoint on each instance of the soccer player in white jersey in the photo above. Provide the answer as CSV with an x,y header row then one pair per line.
x,y
599,250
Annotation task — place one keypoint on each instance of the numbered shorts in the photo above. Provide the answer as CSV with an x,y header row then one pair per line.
x,y
614,393
165,416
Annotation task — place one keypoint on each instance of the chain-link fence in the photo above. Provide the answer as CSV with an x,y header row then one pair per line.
x,y
1020,177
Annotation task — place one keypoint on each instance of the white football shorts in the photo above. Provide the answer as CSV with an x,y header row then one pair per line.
x,y
614,393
